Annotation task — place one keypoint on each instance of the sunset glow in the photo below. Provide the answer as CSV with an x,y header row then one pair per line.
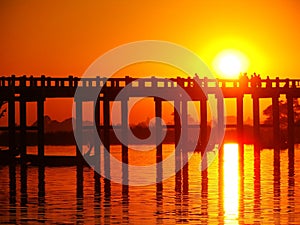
x,y
230,63
150,112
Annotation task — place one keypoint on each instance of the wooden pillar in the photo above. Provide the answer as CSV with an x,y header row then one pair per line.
x,y
221,121
291,131
23,129
97,147
177,132
41,140
184,129
276,138
78,130
185,147
240,117
240,135
203,123
256,118
158,126
276,121
124,118
106,136
12,124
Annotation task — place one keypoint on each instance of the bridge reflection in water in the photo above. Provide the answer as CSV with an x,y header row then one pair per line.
x,y
231,191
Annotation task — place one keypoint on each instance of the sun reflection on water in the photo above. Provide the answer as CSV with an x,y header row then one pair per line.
x,y
231,183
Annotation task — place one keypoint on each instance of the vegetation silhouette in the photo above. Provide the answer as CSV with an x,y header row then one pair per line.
x,y
283,113
283,122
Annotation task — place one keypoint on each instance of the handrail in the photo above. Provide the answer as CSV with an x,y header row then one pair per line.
x,y
70,81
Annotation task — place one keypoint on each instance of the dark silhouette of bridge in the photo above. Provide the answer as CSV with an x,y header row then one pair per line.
x,y
37,89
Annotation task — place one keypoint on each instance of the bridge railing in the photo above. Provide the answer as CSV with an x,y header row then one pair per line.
x,y
243,82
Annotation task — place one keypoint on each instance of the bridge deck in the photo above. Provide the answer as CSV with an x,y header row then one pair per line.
x,y
32,88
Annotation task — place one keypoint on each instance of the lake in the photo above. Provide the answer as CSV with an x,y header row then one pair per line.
x,y
246,192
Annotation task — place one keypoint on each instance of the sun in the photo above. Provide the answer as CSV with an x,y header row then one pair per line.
x,y
230,63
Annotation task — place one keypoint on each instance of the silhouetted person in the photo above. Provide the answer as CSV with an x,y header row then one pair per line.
x,y
244,80
255,80
258,82
252,81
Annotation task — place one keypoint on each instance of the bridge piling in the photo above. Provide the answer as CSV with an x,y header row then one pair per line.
x,y
203,123
23,125
12,123
185,131
124,118
78,130
97,136
240,116
106,134
221,116
41,134
256,122
158,131
276,121
177,132
291,130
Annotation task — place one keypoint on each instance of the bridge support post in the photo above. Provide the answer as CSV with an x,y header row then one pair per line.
x,y
97,147
276,136
276,122
240,117
177,132
23,129
184,129
186,145
221,116
78,130
203,124
240,131
106,134
291,130
124,117
12,123
256,119
41,139
158,126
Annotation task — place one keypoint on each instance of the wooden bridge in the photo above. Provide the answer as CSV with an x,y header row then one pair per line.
x,y
37,89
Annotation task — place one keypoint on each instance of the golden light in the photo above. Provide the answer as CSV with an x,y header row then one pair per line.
x,y
231,182
230,63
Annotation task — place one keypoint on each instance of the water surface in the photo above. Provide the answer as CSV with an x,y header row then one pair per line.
x,y
252,191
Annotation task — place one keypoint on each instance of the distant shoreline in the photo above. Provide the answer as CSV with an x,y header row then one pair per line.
x,y
68,139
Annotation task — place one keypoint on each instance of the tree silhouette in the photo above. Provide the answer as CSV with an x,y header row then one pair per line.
x,y
2,111
283,114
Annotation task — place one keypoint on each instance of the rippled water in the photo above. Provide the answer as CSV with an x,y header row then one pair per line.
x,y
252,195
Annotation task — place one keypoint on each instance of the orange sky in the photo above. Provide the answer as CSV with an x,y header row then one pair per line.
x,y
58,38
